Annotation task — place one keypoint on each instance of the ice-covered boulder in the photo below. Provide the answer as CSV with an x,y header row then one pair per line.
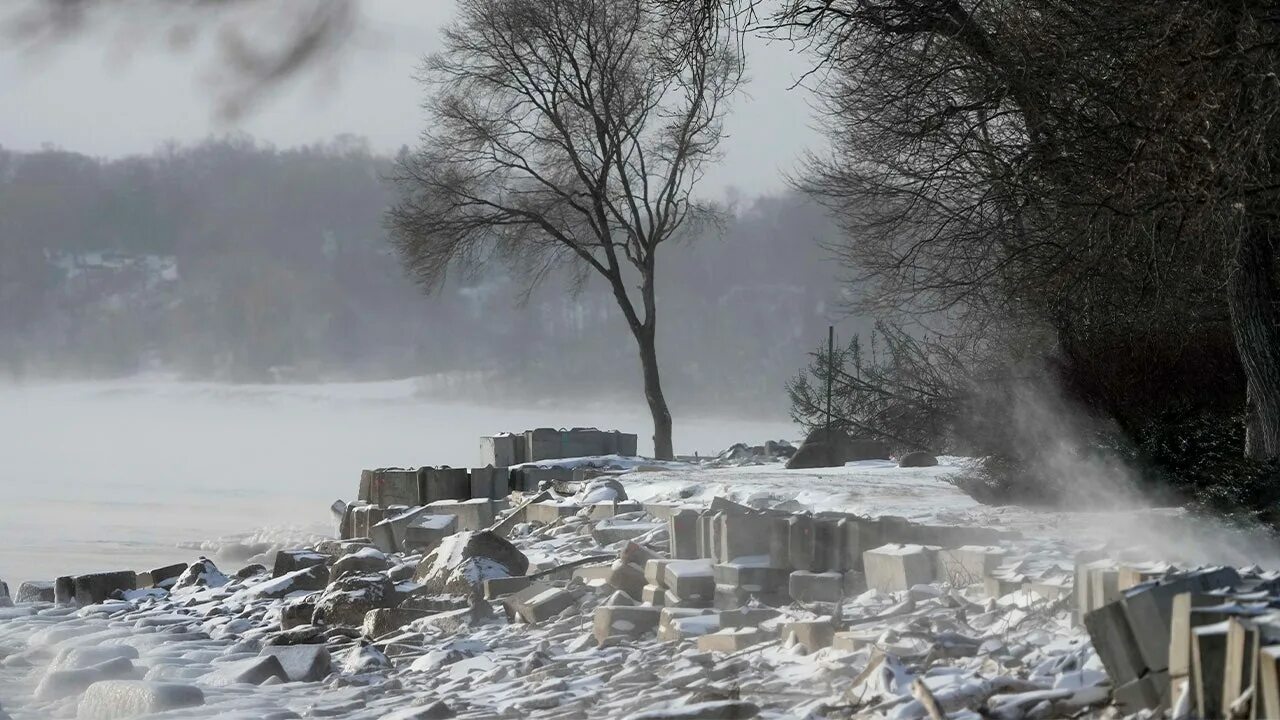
x,y
35,591
201,574
362,562
118,699
302,663
347,600
364,657
288,561
250,671
61,683
94,588
462,562
306,579
76,657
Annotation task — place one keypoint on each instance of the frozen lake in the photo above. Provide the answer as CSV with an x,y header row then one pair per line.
x,y
114,475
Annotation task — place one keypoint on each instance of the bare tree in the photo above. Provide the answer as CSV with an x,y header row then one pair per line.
x,y
567,132
1093,167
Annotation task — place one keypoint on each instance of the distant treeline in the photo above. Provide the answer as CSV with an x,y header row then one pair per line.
x,y
235,261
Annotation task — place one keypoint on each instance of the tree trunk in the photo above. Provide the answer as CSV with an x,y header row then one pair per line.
x,y
662,448
1255,322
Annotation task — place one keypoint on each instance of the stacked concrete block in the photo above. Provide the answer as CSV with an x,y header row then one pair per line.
x,y
690,583
388,534
502,450
741,536
389,486
686,623
363,518
1266,696
894,567
683,531
739,583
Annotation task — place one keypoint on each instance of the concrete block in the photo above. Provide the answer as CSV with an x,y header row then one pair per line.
x,y
591,574
443,483
812,634
612,621
1104,584
627,577
829,544
1189,611
428,530
547,513
779,542
1208,665
685,628
495,588
490,482
1145,693
742,536
542,444
389,486
731,640
683,529
801,542
729,597
655,571
752,578
691,580
1113,639
94,588
476,514
653,595
1266,696
808,587
502,450
1238,674
969,564
894,568
537,603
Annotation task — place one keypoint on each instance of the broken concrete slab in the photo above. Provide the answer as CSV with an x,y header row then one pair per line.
x,y
426,531
495,588
627,577
538,603
472,514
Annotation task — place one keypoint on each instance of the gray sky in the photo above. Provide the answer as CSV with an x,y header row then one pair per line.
x,y
114,92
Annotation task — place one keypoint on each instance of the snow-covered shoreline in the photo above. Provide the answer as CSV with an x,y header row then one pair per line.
x,y
1019,653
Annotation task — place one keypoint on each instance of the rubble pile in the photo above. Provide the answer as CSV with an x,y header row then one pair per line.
x,y
450,594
